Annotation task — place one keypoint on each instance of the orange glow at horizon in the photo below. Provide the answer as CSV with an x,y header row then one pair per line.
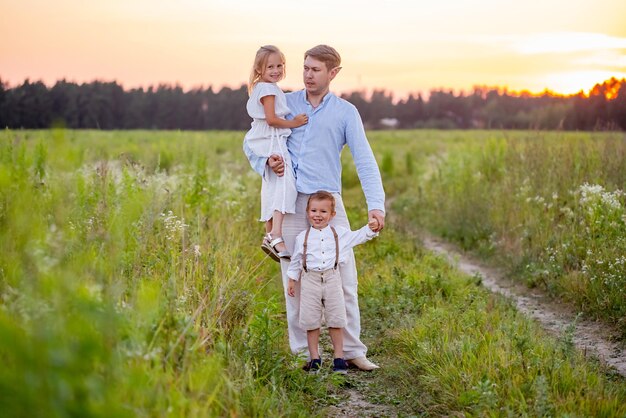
x,y
404,47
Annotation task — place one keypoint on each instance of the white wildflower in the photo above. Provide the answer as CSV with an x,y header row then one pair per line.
x,y
173,225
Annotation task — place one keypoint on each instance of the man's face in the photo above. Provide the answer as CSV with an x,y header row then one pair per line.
x,y
320,212
316,76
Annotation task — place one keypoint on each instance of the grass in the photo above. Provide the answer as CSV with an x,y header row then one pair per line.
x,y
131,284
549,206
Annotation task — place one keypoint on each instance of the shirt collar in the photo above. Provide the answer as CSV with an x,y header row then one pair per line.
x,y
326,98
327,228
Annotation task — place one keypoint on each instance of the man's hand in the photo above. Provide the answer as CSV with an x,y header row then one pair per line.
x,y
378,216
277,164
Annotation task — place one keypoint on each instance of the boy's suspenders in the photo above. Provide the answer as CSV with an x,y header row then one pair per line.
x,y
306,239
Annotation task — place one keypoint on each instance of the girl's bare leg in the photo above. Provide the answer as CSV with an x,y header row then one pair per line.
x,y
277,230
313,339
268,226
336,335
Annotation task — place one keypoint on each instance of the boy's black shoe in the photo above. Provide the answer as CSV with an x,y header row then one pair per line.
x,y
340,366
313,366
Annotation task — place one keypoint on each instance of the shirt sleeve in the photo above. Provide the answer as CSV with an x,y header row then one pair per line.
x,y
295,266
365,162
349,239
258,163
266,89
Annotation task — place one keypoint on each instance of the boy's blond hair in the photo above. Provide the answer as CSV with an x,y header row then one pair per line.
x,y
322,195
327,54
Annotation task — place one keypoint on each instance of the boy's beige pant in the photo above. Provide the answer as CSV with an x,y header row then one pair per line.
x,y
321,293
293,224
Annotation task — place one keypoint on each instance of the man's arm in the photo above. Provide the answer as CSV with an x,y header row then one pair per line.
x,y
366,167
258,163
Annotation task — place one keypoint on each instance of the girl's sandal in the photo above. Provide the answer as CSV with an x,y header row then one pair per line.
x,y
269,246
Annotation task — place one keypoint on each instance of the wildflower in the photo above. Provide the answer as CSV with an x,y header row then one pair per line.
x,y
173,225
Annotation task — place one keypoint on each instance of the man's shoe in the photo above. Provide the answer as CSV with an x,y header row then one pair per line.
x,y
340,366
313,366
362,363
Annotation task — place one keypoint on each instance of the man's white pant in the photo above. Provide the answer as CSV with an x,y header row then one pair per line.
x,y
293,224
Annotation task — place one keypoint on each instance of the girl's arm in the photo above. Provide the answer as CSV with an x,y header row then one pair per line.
x,y
276,122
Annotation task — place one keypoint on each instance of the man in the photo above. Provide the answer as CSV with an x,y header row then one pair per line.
x,y
315,150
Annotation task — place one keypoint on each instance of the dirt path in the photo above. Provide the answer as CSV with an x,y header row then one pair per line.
x,y
357,406
591,337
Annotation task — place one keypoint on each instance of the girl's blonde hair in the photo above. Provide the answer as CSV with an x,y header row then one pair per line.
x,y
260,61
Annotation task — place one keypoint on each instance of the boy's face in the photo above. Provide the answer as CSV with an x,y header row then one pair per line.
x,y
320,213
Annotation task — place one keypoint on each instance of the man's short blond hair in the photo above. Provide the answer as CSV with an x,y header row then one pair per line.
x,y
327,54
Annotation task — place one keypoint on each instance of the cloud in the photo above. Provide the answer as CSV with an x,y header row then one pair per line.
x,y
606,59
567,42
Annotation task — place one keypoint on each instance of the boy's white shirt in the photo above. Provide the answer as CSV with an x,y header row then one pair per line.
x,y
321,248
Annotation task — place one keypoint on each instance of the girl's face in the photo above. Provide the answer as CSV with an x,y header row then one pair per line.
x,y
320,212
274,69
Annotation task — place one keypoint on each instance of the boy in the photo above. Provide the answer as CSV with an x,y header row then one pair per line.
x,y
317,253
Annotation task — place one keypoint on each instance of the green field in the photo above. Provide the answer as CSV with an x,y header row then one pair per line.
x,y
549,206
131,282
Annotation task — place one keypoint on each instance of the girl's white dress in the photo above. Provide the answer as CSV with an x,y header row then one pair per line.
x,y
277,193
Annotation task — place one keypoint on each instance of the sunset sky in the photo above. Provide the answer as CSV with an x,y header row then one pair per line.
x,y
402,46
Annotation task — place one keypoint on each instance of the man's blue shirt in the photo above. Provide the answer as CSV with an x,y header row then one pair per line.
x,y
315,148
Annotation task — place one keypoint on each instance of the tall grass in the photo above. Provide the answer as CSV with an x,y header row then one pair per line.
x,y
130,281
551,205
451,348
131,284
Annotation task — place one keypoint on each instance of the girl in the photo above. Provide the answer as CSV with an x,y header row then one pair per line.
x,y
267,106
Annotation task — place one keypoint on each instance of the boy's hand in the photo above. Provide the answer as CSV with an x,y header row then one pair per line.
x,y
291,288
373,224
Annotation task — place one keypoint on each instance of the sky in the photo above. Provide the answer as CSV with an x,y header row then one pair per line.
x,y
401,46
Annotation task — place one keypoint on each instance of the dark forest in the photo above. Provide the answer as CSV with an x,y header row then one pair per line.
x,y
106,105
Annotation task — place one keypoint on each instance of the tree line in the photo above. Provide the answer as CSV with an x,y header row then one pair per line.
x,y
106,105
